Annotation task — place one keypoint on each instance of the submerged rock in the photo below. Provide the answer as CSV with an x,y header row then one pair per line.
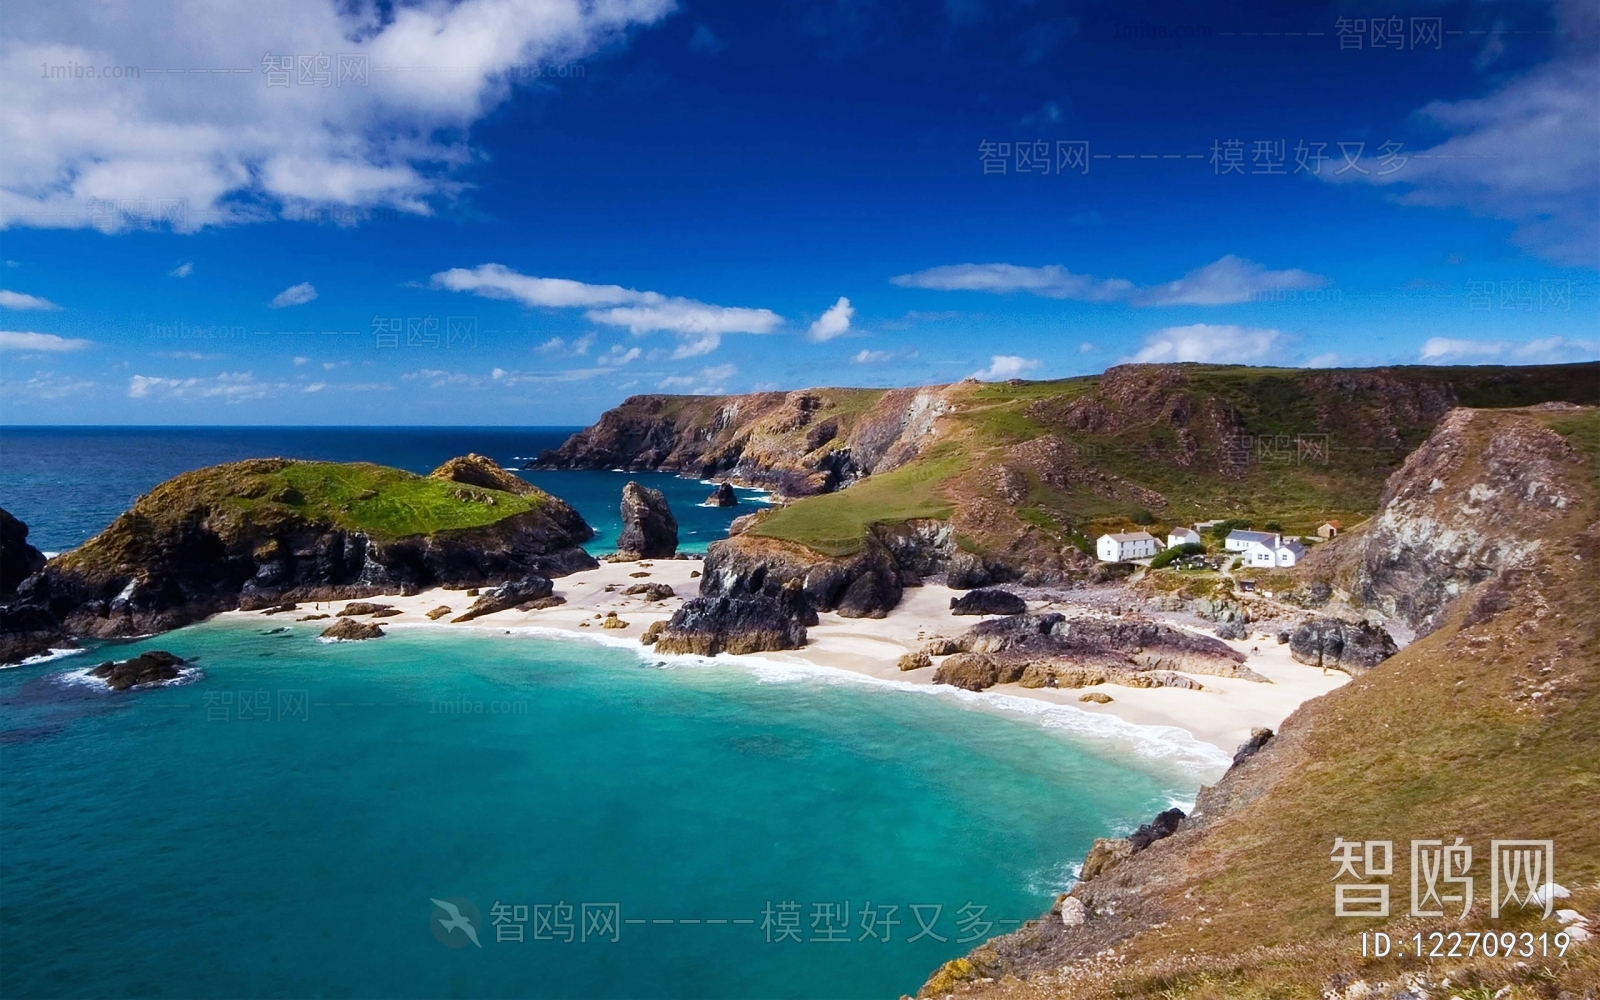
x,y
723,496
988,602
649,531
518,594
350,630
711,625
1354,647
147,668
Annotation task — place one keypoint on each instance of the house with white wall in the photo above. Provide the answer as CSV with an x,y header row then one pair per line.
x,y
1264,549
1182,536
1126,546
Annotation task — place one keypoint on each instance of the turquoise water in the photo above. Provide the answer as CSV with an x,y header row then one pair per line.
x,y
155,844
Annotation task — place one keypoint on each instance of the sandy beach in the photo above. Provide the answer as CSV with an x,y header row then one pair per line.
x,y
1222,713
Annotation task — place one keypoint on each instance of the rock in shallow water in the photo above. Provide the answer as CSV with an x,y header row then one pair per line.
x,y
147,668
350,630
723,496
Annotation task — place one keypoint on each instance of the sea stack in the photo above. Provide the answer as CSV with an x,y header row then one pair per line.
x,y
649,531
18,559
723,496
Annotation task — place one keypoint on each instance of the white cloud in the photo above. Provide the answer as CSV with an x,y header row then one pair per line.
x,y
1528,153
17,300
230,387
1226,281
705,382
298,361
182,270
1086,348
1546,350
232,148
1208,342
1051,281
17,340
871,357
315,387
833,323
617,356
1004,366
294,295
49,385
1328,360
698,325
188,356
560,345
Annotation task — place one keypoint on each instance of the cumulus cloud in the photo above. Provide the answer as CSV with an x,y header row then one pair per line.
x,y
230,387
1546,350
294,295
699,326
1051,281
1527,152
1208,342
17,340
563,346
1230,280
406,84
705,382
833,323
1227,281
1004,366
17,300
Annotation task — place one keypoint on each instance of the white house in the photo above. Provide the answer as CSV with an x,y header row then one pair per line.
x,y
1126,546
1182,536
1263,549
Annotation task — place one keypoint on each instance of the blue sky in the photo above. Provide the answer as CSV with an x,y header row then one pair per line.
x,y
495,212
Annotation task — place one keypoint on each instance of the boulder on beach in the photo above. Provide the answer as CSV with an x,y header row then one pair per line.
x,y
711,625
519,594
1354,647
915,661
439,612
147,668
723,496
356,609
987,602
649,531
650,591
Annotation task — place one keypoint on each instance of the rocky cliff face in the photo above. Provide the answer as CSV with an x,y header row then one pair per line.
x,y
1476,499
865,585
797,443
234,536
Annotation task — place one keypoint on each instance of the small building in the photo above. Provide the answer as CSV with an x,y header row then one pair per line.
x,y
1264,550
1182,536
1329,529
1126,546
1206,525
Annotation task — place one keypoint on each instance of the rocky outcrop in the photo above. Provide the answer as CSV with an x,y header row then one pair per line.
x,y
987,602
864,585
233,536
1051,650
155,667
1473,501
723,496
650,591
18,559
798,443
707,626
357,609
649,531
1354,647
520,594
350,630
485,473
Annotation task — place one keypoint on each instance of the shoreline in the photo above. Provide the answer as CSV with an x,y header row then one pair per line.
x,y
1220,715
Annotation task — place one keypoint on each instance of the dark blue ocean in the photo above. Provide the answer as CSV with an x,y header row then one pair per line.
x,y
613,824
67,483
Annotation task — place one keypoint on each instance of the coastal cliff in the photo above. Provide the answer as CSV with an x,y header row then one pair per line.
x,y
976,483
270,531
1481,729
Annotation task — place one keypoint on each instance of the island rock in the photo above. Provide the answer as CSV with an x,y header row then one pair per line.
x,y
350,630
154,667
723,496
649,531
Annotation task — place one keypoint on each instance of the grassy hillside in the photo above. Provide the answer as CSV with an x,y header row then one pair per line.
x,y
1168,444
1485,729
